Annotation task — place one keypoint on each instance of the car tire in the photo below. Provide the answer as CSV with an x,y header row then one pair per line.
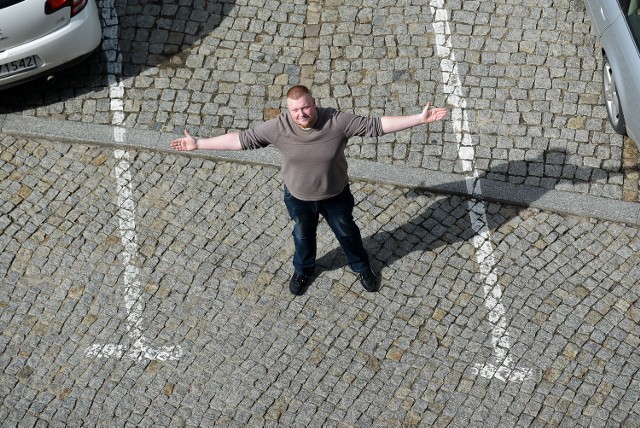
x,y
611,98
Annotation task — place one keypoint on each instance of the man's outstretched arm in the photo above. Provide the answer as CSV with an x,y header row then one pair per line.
x,y
399,123
230,141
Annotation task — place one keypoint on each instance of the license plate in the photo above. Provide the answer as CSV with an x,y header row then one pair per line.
x,y
18,66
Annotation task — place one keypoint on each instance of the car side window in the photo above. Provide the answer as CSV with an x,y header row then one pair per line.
x,y
633,18
7,3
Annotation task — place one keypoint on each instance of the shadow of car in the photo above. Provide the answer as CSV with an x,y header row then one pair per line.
x,y
38,37
617,26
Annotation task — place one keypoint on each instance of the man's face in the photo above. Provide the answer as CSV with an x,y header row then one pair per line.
x,y
303,111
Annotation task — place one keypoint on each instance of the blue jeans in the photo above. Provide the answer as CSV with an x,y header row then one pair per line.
x,y
338,211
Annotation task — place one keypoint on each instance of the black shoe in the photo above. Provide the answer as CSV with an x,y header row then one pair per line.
x,y
369,280
299,284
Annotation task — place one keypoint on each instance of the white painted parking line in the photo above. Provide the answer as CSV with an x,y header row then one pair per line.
x,y
501,365
126,215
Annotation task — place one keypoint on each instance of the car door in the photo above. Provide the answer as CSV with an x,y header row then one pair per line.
x,y
603,13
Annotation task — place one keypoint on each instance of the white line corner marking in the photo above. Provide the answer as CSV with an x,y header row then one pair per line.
x,y
127,222
501,366
132,291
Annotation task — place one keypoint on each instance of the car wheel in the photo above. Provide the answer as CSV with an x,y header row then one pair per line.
x,y
611,99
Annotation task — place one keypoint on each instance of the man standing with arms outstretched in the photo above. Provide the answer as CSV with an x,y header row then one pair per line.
x,y
312,141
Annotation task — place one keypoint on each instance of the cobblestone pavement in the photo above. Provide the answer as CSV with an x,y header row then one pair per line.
x,y
522,78
143,288
179,315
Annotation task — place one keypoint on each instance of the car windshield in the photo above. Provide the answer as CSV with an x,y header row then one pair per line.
x,y
633,17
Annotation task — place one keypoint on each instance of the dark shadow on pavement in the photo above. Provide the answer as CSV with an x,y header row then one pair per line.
x,y
447,220
151,33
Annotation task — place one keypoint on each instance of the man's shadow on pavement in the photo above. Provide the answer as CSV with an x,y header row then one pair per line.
x,y
447,221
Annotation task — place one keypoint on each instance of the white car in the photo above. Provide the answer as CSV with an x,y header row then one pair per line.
x,y
616,23
38,37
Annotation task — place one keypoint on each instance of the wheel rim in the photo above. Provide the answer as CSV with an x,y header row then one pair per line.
x,y
611,94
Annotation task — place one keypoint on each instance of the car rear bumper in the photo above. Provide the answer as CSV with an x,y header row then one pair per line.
x,y
59,49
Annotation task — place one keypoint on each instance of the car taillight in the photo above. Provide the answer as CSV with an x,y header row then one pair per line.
x,y
52,6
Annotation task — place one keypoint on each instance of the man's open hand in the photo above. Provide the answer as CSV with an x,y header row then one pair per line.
x,y
185,143
430,115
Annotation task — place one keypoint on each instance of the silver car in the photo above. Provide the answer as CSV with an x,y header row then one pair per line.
x,y
40,36
617,26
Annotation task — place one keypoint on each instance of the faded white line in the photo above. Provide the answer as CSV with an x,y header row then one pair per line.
x,y
501,365
126,213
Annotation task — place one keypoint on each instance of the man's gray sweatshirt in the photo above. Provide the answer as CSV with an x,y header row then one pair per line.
x,y
314,166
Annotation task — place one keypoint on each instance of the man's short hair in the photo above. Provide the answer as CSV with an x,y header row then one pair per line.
x,y
298,91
